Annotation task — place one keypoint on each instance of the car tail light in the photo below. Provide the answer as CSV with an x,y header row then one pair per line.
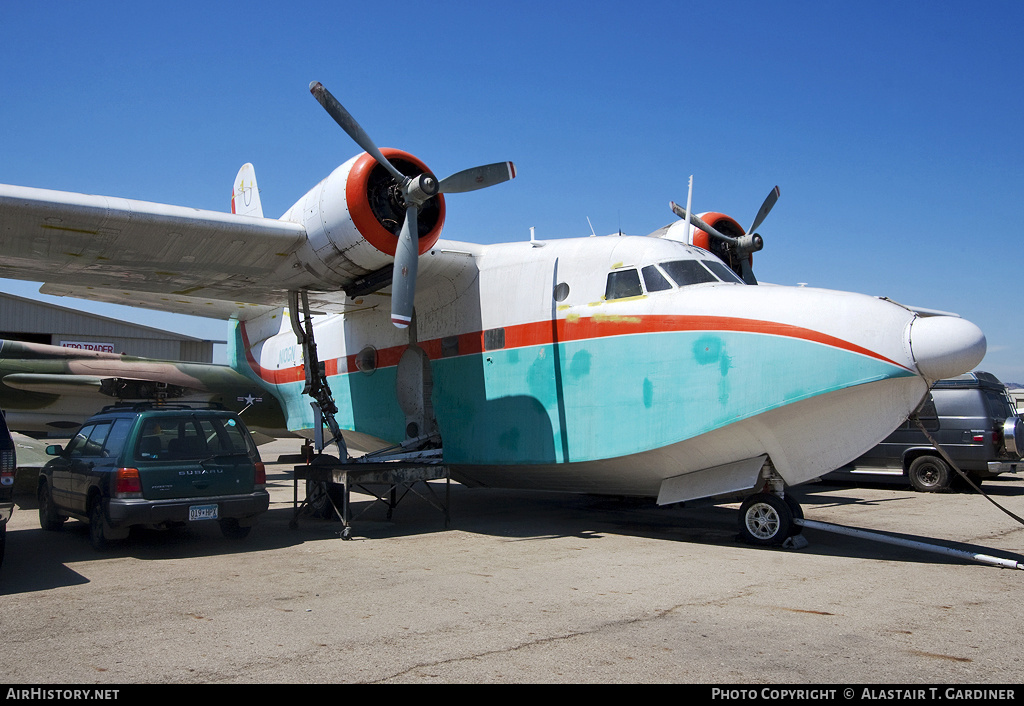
x,y
127,483
261,475
7,464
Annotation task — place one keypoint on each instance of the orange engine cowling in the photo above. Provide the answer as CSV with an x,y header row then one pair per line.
x,y
725,225
353,218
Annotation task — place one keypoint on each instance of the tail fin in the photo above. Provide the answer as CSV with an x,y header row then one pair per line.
x,y
245,196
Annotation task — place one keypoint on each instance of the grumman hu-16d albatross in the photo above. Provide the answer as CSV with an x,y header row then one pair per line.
x,y
643,366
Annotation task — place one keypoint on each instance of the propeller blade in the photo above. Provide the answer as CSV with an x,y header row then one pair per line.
x,y
341,116
477,178
699,222
747,270
403,280
767,206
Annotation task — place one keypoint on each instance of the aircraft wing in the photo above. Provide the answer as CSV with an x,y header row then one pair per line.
x,y
209,307
136,246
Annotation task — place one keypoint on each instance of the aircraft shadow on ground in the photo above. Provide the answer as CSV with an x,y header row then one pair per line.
x,y
38,560
536,516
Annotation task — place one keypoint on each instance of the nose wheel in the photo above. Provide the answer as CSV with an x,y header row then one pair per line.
x,y
766,520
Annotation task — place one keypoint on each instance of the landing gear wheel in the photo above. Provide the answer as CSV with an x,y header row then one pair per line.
x,y
798,514
929,474
766,520
317,500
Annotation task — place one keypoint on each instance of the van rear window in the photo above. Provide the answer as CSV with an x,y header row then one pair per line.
x,y
998,404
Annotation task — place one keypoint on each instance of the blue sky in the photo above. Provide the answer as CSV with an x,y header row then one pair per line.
x,y
894,130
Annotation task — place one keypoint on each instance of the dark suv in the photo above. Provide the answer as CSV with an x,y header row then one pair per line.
x,y
971,417
156,466
8,464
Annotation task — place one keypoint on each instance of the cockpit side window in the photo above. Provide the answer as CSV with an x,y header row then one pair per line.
x,y
685,272
724,272
654,280
622,284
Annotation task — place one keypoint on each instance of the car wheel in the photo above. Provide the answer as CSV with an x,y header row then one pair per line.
x,y
3,541
49,518
765,520
230,528
929,474
97,535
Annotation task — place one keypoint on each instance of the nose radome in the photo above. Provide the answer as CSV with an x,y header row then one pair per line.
x,y
945,346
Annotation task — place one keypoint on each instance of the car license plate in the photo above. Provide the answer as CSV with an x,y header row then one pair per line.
x,y
202,512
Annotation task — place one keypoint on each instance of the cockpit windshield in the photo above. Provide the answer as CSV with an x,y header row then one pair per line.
x,y
724,272
684,272
626,282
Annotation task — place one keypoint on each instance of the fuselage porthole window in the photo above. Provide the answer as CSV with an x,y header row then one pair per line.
x,y
366,360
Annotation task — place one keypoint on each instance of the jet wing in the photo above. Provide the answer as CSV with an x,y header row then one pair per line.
x,y
114,243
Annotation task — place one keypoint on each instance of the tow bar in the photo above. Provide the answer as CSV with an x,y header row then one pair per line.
x,y
878,537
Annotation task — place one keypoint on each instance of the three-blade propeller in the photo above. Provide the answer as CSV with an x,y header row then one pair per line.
x,y
416,191
740,247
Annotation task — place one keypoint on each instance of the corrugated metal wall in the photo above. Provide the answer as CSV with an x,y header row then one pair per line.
x,y
64,325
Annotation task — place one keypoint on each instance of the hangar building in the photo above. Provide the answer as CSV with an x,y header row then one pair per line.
x,y
23,319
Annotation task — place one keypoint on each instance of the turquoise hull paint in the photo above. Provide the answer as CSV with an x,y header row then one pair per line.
x,y
594,399
610,397
366,403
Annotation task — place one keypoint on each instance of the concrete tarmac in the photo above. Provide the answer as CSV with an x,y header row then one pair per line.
x,y
524,587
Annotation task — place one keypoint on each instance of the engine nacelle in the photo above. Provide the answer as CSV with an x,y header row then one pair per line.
x,y
726,226
353,218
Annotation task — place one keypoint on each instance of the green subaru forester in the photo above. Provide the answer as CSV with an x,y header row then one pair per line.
x,y
155,466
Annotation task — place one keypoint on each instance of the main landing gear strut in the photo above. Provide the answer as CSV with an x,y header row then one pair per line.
x,y
324,407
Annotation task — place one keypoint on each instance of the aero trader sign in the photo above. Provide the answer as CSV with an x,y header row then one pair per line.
x,y
102,347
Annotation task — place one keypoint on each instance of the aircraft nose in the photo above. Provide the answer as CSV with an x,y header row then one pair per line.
x,y
945,346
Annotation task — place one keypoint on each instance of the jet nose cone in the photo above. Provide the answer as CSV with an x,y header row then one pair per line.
x,y
945,346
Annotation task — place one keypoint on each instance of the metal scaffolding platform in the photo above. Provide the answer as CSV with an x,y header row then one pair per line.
x,y
389,482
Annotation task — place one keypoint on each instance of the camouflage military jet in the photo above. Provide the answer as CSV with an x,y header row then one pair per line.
x,y
50,390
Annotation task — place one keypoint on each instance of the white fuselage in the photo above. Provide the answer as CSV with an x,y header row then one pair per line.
x,y
583,365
